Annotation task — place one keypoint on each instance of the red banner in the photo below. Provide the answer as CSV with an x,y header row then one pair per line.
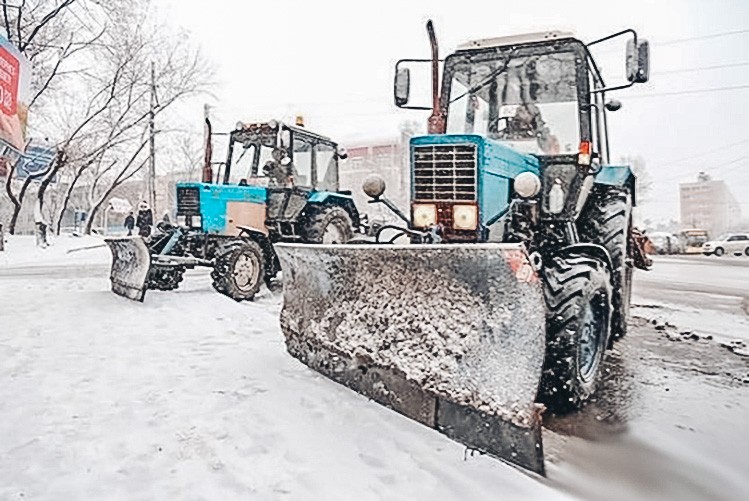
x,y
15,77
8,82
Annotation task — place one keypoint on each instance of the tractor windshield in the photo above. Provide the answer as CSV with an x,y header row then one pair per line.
x,y
247,160
529,102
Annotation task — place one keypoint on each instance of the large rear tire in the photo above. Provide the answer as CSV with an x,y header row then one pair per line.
x,y
328,225
239,272
609,223
578,298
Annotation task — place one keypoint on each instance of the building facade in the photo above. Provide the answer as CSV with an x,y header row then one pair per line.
x,y
708,204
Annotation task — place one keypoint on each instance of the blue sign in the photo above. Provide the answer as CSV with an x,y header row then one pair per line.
x,y
35,160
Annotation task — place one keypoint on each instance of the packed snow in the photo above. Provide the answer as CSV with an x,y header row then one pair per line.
x,y
193,396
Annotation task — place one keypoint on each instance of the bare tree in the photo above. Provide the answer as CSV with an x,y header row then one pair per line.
x,y
50,35
92,95
180,72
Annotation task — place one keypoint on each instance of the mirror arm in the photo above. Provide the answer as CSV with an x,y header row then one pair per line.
x,y
614,35
421,108
617,87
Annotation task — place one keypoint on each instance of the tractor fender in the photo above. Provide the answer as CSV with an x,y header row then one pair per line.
x,y
272,265
614,176
589,249
346,202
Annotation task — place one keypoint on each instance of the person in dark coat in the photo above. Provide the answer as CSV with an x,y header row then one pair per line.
x,y
130,224
144,220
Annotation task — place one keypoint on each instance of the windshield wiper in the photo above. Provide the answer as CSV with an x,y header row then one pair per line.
x,y
486,81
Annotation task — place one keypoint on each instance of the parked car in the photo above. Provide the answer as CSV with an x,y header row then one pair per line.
x,y
731,243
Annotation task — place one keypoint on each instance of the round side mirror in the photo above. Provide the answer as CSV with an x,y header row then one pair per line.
x,y
614,105
342,153
373,186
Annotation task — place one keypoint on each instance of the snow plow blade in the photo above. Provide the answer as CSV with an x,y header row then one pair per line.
x,y
452,336
131,261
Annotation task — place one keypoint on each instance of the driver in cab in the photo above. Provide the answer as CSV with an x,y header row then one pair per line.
x,y
527,123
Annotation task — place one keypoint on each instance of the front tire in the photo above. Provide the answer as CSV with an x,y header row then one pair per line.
x,y
719,251
239,272
578,323
609,223
328,225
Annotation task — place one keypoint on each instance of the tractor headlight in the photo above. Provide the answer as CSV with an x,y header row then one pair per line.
x,y
527,185
424,215
465,217
196,221
182,221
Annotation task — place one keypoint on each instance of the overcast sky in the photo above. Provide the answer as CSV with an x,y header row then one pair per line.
x,y
332,61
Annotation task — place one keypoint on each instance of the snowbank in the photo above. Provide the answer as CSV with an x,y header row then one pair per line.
x,y
21,250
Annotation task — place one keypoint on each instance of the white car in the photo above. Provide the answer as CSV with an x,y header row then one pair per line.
x,y
732,243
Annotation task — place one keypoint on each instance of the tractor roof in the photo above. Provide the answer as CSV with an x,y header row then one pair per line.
x,y
542,36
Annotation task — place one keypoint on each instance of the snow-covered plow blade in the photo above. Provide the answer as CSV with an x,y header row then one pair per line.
x,y
131,261
451,336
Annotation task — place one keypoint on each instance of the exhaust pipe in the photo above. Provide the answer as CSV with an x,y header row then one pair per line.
x,y
436,123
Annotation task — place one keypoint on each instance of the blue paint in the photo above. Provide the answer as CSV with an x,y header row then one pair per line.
x,y
614,175
320,197
214,198
498,165
172,242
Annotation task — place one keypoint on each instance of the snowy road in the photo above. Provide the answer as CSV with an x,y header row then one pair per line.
x,y
192,396
698,281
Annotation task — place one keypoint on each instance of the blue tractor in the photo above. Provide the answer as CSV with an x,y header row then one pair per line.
x,y
517,273
279,183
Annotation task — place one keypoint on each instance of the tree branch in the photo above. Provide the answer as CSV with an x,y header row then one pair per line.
x,y
46,19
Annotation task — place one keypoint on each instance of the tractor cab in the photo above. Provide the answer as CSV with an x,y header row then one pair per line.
x,y
274,177
516,118
274,154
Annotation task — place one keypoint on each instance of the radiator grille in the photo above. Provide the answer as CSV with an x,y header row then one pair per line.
x,y
445,172
188,201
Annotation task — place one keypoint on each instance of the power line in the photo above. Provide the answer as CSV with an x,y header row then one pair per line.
x,y
706,152
689,91
700,68
703,37
707,169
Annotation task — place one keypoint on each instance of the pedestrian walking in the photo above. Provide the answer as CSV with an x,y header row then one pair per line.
x,y
144,222
130,224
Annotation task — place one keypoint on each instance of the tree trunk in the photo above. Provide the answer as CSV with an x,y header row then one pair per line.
x,y
17,203
92,215
59,163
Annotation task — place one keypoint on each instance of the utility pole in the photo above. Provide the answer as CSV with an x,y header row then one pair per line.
x,y
207,176
151,177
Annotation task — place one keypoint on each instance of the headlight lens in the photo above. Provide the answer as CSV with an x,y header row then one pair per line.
x,y
465,217
527,185
196,221
424,215
181,221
